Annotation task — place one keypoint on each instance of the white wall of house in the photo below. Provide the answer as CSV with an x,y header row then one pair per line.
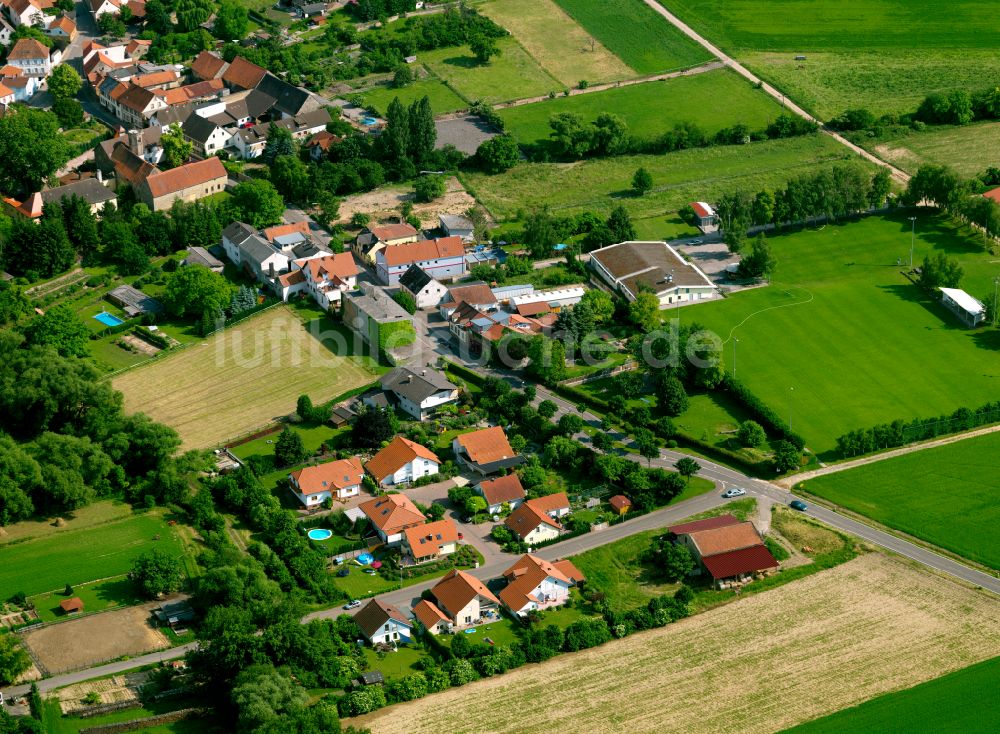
x,y
391,631
216,141
313,500
496,508
419,467
445,268
430,296
543,532
426,553
428,405
685,294
551,592
469,614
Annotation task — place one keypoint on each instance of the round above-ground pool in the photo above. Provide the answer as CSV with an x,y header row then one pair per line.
x,y
320,534
365,558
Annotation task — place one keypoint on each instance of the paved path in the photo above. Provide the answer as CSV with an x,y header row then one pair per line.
x,y
897,174
788,482
710,66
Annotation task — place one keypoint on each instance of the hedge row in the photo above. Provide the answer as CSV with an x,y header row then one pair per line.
x,y
157,340
464,372
762,412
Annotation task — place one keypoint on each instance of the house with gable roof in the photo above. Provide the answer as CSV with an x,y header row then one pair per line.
x,y
428,542
536,520
377,236
534,583
401,462
442,258
464,599
418,394
31,57
328,277
383,623
485,451
340,480
25,12
391,515
189,182
425,290
500,491
433,619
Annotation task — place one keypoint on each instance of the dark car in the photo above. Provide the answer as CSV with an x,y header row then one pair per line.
x,y
798,505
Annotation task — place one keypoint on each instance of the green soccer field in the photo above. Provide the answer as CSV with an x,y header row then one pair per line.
x,y
945,495
962,702
841,340
652,109
637,34
50,562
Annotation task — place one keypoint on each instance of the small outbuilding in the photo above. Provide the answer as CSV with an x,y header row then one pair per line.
x,y
706,218
71,606
620,504
968,310
133,301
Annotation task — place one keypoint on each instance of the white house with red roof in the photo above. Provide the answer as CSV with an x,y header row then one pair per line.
x,y
464,599
401,462
442,259
326,278
314,485
536,521
425,543
707,219
391,515
534,583
505,490
433,619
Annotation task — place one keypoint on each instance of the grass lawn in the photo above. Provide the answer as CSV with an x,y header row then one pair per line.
x,y
947,146
97,513
312,437
830,343
394,664
944,495
654,108
958,703
55,723
617,570
359,584
97,596
637,34
50,562
512,75
442,98
558,43
678,178
503,631
245,377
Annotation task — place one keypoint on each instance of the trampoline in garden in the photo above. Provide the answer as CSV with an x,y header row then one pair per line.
x,y
320,534
365,558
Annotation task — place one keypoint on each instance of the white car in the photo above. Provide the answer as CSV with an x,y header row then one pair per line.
x,y
353,604
734,492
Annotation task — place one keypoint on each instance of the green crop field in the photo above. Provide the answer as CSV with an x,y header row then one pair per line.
x,y
512,75
945,495
442,98
949,146
841,340
50,562
637,34
654,108
963,702
678,178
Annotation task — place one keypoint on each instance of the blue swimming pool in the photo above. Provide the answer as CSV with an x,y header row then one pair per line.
x,y
108,319
370,121
320,534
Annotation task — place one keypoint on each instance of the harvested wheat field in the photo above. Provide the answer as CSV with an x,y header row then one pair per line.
x,y
762,664
245,377
98,638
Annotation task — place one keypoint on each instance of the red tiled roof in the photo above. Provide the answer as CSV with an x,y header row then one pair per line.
x,y
5,92
993,194
502,489
181,95
533,309
330,476
340,266
243,73
526,518
186,176
744,560
207,65
28,48
487,445
707,524
476,294
63,23
72,605
154,79
138,8
412,252
272,233
457,588
528,573
620,502
400,451
293,278
393,513
428,613
725,539
426,540
551,502
700,209
384,232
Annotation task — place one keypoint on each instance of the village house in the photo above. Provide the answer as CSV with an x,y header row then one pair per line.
x,y
401,462
433,619
425,290
206,136
536,521
130,157
25,12
249,141
418,395
207,66
334,480
100,7
18,84
6,30
246,249
454,225
464,599
426,543
7,96
319,144
505,490
534,584
190,182
383,623
391,515
328,277
442,258
485,451
731,551
630,267
62,27
92,191
378,236
476,295
31,57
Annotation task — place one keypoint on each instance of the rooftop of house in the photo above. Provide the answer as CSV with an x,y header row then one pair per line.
x,y
422,251
330,476
720,521
201,256
426,540
27,49
502,489
208,65
242,73
703,209
527,517
486,445
392,513
725,539
377,305
457,588
374,615
619,502
476,294
416,387
455,221
415,279
186,176
740,561
655,265
386,232
272,233
428,613
400,452
528,572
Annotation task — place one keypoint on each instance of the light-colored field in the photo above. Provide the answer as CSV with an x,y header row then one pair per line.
x,y
558,42
386,202
762,664
88,641
243,377
948,146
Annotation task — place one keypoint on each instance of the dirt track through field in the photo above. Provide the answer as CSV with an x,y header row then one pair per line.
x,y
760,665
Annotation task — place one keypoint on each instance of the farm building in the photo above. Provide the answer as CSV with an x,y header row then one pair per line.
x,y
443,258
732,552
485,451
383,623
629,267
707,219
968,310
133,301
201,256
314,485
176,614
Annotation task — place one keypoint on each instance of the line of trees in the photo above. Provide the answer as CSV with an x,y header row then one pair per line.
x,y
901,432
958,107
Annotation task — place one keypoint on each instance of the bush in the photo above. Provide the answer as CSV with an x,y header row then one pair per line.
x,y
429,187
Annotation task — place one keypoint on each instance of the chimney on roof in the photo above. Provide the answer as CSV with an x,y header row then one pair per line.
x,y
135,142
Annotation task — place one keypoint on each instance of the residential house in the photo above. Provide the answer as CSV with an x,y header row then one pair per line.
x,y
247,249
477,295
242,74
378,236
464,599
383,623
208,92
204,258
289,100
132,104
7,96
629,267
328,277
206,136
92,191
505,490
369,310
31,57
534,583
443,258
418,394
473,329
320,143
454,225
401,462
250,141
731,551
340,480
22,86
190,182
536,521
208,65
100,7
429,542
6,31
485,451
425,290
130,158
433,619
25,12
391,515
705,217
63,27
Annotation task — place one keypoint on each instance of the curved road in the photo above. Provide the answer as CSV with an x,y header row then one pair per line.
x,y
898,175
